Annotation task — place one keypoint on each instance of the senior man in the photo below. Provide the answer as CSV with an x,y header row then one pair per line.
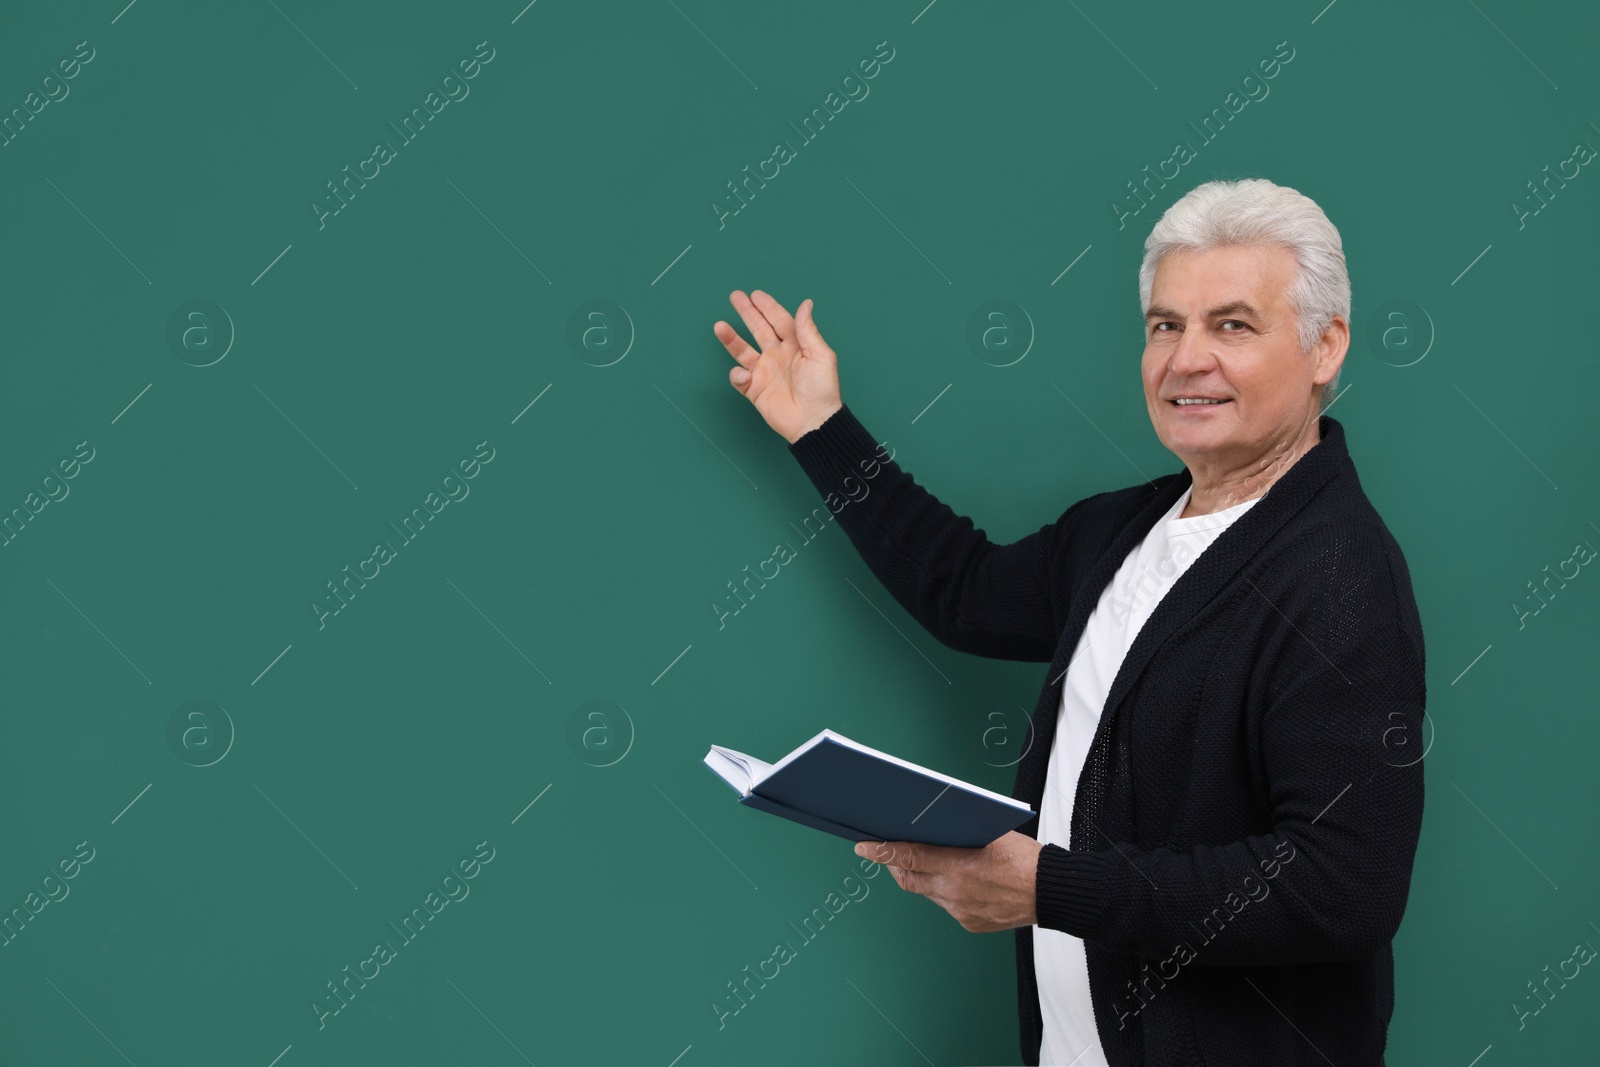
x,y
1228,803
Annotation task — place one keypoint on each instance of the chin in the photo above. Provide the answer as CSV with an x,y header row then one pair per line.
x,y
1192,440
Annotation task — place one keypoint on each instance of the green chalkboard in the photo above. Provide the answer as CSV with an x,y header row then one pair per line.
x,y
286,282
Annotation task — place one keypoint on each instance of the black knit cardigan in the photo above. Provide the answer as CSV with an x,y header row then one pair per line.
x,y
1244,826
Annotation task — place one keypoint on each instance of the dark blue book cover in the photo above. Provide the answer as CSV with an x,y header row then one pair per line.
x,y
844,788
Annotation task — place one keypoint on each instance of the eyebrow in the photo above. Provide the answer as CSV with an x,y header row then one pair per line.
x,y
1235,307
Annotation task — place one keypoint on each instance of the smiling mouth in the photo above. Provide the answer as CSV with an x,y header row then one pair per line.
x,y
1196,402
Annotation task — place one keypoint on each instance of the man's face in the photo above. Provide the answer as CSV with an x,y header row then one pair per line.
x,y
1220,327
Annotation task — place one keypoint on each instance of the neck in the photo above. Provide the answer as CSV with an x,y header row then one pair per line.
x,y
1219,486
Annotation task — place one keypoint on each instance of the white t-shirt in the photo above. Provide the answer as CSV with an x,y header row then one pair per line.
x,y
1125,604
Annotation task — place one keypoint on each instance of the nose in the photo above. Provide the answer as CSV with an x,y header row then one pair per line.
x,y
1192,354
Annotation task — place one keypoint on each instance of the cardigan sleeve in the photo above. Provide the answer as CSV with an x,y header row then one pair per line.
x,y
1328,879
972,595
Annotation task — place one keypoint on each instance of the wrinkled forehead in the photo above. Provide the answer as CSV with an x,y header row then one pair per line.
x,y
1194,281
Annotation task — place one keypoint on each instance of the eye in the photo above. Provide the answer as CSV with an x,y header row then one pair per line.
x,y
1157,327
1235,322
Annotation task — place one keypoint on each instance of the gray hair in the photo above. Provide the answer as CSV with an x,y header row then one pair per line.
x,y
1257,211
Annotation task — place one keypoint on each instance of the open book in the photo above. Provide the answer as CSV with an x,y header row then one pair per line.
x,y
842,787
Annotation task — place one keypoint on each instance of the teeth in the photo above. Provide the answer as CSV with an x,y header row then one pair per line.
x,y
1183,400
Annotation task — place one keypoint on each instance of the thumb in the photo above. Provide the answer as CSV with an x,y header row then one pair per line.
x,y
810,336
883,851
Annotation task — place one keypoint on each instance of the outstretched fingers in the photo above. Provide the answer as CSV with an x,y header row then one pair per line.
x,y
775,313
754,320
736,345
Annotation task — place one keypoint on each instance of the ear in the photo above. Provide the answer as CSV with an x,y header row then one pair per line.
x,y
1330,350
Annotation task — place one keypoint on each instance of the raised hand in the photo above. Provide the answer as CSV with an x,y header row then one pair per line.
x,y
793,379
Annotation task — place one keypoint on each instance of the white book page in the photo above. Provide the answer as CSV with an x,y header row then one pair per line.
x,y
908,765
737,769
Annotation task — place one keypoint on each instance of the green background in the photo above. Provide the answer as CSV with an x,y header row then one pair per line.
x,y
370,355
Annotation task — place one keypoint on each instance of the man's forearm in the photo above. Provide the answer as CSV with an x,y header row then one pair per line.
x,y
1259,901
972,595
